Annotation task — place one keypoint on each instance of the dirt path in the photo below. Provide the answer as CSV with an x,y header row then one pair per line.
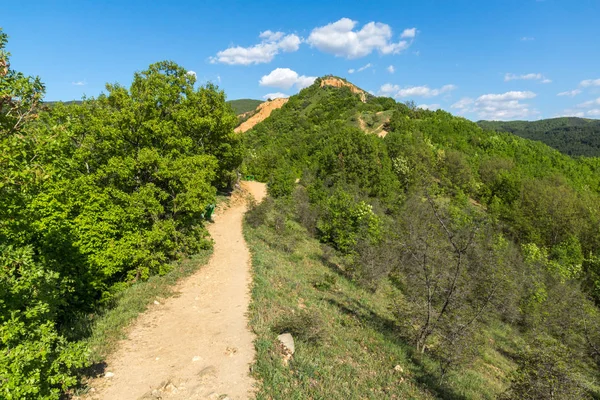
x,y
196,345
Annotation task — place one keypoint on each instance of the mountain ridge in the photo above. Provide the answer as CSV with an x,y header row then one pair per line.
x,y
573,136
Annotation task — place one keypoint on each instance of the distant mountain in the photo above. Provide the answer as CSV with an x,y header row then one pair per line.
x,y
51,103
569,135
242,106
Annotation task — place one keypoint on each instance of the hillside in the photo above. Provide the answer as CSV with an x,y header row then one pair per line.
x,y
262,112
569,135
347,254
242,106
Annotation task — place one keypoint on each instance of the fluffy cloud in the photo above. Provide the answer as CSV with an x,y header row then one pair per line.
x,y
79,83
463,103
391,69
352,70
571,113
533,76
271,44
409,33
570,93
590,103
191,73
508,96
587,83
527,39
271,36
276,95
285,78
431,107
342,40
590,83
414,91
498,106
594,113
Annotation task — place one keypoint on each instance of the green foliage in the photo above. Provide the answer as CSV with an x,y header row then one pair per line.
x,y
242,106
569,135
94,197
512,236
344,222
282,182
543,373
36,361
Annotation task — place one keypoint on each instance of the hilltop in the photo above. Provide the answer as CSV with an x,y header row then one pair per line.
x,y
435,260
569,135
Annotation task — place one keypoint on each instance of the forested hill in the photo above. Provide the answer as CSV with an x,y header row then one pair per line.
x,y
569,135
483,246
242,106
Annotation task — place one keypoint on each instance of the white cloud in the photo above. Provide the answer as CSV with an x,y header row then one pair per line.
x,y
431,107
571,113
409,33
508,96
290,43
285,78
305,81
498,106
594,113
219,78
271,36
527,39
352,70
271,44
590,83
388,89
340,39
276,95
532,76
570,93
79,83
414,91
590,103
391,69
462,103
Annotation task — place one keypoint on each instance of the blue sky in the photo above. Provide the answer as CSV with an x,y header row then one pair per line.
x,y
502,59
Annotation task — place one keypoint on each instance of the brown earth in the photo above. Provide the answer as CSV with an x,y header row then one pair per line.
x,y
196,345
262,112
336,82
379,131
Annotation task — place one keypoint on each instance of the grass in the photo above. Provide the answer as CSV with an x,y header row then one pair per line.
x,y
372,122
348,344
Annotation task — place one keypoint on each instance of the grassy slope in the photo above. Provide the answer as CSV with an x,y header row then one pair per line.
x,y
244,105
347,342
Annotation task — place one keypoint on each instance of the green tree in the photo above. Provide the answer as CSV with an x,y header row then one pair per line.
x,y
36,361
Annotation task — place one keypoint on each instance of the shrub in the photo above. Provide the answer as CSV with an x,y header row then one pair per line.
x,y
345,221
281,183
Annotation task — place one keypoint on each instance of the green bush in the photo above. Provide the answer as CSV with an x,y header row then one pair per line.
x,y
281,183
94,197
343,222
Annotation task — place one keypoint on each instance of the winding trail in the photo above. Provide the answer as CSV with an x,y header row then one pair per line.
x,y
196,345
